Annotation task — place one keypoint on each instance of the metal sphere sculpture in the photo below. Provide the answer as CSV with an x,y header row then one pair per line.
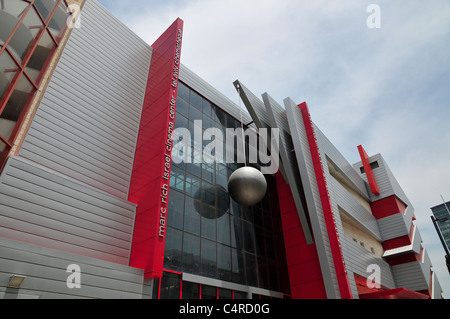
x,y
247,186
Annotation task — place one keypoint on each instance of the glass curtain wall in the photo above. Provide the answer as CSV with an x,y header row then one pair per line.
x,y
210,235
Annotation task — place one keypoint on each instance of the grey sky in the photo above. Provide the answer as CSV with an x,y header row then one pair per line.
x,y
387,89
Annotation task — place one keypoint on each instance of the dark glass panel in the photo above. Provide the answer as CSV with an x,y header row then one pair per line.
x,y
191,254
208,259
172,255
224,263
190,290
170,286
225,294
209,292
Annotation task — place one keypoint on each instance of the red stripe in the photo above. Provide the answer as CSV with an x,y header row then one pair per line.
x,y
338,259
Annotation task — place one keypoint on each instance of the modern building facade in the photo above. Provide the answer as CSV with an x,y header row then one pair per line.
x,y
94,204
441,221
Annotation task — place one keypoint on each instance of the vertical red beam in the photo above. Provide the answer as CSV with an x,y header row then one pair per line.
x,y
305,275
150,180
338,258
369,172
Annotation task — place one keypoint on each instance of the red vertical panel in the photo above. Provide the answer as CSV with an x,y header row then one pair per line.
x,y
369,172
338,258
149,187
305,275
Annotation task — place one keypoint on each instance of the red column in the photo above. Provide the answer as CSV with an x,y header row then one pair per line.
x,y
150,181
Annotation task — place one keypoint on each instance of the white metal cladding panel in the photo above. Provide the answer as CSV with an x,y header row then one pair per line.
x,y
308,178
48,209
386,181
213,95
358,212
437,289
278,119
397,225
358,259
333,153
411,276
87,123
46,276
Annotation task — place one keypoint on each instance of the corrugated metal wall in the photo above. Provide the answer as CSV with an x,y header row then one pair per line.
x,y
46,275
45,208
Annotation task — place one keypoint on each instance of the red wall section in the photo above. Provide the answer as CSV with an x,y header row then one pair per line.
x,y
305,275
151,170
369,172
338,258
387,207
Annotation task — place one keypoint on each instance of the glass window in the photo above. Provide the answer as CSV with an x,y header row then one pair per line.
x,y
208,259
25,35
195,114
170,286
10,13
172,255
208,173
177,178
237,266
193,185
45,7
181,121
191,253
196,101
182,106
190,290
209,226
225,293
8,70
224,262
175,211
209,292
58,22
155,289
240,295
41,55
223,230
208,108
18,100
183,91
192,216
250,269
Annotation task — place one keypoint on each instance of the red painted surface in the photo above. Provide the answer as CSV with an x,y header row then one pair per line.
x,y
147,180
369,172
400,293
387,207
338,257
305,276
403,259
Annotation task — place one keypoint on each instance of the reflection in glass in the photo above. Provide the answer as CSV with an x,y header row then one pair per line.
x,y
40,56
191,253
208,258
15,105
25,34
209,292
170,286
172,254
190,290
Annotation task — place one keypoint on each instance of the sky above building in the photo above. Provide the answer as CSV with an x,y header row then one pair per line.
x,y
385,88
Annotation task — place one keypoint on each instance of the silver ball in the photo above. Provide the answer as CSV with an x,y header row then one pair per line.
x,y
247,186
